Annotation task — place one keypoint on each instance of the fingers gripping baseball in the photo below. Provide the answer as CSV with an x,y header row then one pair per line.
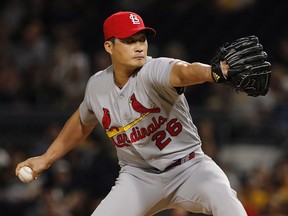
x,y
31,168
25,174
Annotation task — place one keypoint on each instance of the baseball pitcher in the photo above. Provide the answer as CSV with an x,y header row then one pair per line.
x,y
139,102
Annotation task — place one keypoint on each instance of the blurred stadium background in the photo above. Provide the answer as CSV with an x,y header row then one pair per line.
x,y
49,49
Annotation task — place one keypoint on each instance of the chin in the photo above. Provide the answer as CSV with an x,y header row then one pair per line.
x,y
139,62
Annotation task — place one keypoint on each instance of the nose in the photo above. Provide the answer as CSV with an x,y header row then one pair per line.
x,y
139,46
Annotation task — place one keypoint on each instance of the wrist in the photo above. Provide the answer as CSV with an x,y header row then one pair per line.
x,y
48,159
217,74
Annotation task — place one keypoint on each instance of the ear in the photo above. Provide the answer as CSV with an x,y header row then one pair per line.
x,y
108,45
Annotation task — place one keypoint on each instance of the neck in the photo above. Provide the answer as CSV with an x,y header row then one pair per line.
x,y
121,77
122,73
120,81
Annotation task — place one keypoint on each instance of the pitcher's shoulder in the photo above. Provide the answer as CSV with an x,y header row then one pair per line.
x,y
160,60
103,74
100,78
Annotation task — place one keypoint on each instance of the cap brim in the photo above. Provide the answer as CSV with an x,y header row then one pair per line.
x,y
147,31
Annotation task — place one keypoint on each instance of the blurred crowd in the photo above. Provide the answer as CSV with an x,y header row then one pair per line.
x,y
48,51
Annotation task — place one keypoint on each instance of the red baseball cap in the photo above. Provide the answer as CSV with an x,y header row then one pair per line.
x,y
124,24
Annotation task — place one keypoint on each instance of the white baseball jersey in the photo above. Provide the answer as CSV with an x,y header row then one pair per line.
x,y
147,120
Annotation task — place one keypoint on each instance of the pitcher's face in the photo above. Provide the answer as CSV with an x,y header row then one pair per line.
x,y
129,52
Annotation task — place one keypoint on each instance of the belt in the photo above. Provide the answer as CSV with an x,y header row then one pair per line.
x,y
181,161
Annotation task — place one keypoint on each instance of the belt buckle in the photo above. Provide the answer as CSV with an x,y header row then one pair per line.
x,y
181,160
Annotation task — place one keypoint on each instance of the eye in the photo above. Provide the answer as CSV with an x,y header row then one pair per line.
x,y
133,40
129,41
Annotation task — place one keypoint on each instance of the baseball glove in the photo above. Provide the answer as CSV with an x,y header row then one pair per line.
x,y
249,71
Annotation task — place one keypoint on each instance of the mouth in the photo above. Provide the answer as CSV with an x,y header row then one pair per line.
x,y
139,57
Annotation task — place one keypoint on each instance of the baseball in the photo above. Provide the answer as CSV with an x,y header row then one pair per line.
x,y
26,174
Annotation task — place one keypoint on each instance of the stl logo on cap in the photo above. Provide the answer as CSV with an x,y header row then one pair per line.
x,y
134,19
124,24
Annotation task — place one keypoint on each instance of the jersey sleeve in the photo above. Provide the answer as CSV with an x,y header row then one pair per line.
x,y
158,74
87,116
